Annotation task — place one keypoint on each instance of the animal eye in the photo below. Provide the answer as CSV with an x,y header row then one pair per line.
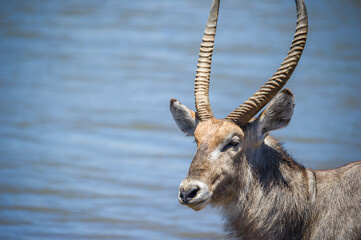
x,y
234,142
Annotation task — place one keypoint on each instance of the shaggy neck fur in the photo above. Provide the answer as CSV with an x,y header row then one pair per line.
x,y
267,201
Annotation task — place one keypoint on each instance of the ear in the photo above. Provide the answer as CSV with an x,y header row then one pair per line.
x,y
185,118
278,113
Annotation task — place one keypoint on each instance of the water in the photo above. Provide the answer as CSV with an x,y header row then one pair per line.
x,y
88,148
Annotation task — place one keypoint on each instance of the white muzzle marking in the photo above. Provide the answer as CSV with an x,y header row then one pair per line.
x,y
201,199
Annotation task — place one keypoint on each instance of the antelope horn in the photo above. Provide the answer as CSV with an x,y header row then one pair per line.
x,y
201,84
254,104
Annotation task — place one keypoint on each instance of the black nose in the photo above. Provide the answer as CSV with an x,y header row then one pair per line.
x,y
187,195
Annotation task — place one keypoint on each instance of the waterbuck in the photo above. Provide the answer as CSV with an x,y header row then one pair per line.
x,y
239,167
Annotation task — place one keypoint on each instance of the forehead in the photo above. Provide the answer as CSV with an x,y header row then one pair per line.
x,y
214,131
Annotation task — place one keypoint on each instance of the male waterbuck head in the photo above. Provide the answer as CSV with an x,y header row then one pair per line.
x,y
223,144
263,192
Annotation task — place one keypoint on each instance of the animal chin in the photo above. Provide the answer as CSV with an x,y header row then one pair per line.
x,y
197,206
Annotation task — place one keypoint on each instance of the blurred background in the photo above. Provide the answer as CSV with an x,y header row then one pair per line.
x,y
88,147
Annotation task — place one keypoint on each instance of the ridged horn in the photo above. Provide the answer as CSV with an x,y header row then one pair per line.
x,y
254,104
201,83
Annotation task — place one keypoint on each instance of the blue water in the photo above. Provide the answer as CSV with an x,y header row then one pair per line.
x,y
88,148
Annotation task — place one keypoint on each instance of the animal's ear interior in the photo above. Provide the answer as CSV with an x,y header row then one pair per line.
x,y
185,118
278,113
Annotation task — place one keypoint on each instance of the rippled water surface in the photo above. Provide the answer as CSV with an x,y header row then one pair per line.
x,y
88,148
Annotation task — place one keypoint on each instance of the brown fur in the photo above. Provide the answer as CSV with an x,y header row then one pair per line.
x,y
263,192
